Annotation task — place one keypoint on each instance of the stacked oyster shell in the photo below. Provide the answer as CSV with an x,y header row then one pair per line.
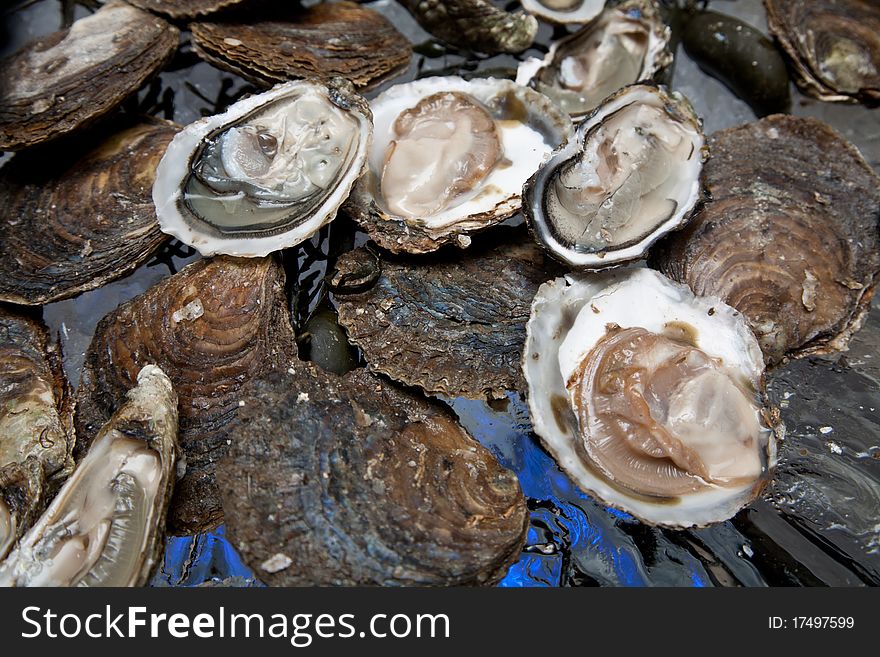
x,y
649,392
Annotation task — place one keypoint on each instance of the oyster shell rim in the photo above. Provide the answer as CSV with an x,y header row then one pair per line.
x,y
175,168
596,282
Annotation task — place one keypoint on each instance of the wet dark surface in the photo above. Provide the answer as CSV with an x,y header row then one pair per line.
x,y
817,524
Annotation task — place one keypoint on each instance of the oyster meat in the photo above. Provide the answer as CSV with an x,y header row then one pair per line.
x,y
106,525
449,157
211,327
331,39
564,11
73,219
352,481
69,79
36,423
790,236
833,46
453,325
631,175
267,173
474,24
628,43
648,397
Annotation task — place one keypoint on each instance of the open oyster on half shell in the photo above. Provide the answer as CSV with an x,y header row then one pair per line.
x,y
267,173
564,11
650,398
628,43
631,175
449,157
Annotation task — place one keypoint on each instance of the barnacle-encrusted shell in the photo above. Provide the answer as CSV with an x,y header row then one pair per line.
x,y
353,481
628,43
648,397
185,8
564,11
833,46
36,422
452,324
474,24
790,236
267,173
74,219
211,327
631,175
70,78
106,526
331,39
449,158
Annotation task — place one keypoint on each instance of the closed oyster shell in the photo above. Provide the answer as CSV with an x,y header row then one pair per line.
x,y
106,526
71,221
451,324
68,79
353,481
178,9
474,24
331,39
790,236
36,422
211,327
833,46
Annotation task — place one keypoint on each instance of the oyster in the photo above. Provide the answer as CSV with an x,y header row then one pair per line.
x,y
353,481
833,46
70,78
106,525
453,325
649,397
628,43
36,423
331,39
178,9
790,237
449,157
71,221
631,175
267,173
474,24
211,327
565,11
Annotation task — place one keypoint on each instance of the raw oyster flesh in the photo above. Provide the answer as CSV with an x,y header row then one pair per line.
x,y
106,526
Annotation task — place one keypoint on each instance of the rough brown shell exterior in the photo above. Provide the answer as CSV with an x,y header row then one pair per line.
x,y
184,8
353,481
474,24
331,39
451,324
790,237
818,38
71,78
211,328
73,221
